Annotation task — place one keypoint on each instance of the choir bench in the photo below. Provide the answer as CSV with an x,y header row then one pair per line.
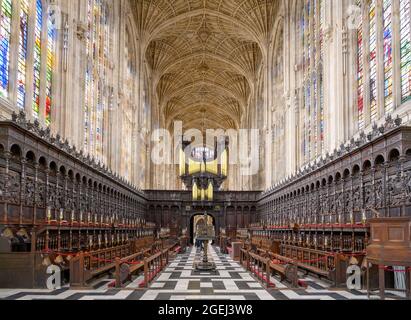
x,y
285,268
86,266
273,263
128,266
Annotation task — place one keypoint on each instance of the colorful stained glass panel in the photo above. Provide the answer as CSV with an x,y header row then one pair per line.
x,y
5,30
373,61
37,58
388,85
405,36
51,49
22,55
360,71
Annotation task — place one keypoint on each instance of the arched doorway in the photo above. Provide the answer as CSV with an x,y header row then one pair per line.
x,y
198,219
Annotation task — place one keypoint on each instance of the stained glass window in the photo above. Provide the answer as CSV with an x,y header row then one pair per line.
x,y
307,29
381,31
5,30
405,36
88,77
311,28
373,61
322,118
127,113
301,59
37,59
96,101
388,85
320,76
307,92
360,70
314,83
308,125
51,49
22,55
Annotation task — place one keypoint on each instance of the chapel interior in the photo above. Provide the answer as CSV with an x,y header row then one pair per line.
x,y
89,90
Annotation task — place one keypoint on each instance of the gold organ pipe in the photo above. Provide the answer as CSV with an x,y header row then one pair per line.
x,y
195,192
212,167
210,192
193,167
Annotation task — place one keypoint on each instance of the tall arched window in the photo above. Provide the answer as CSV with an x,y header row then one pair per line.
x,y
37,58
311,28
377,36
30,59
278,82
278,111
51,49
5,31
388,75
373,60
360,70
128,112
96,99
405,45
22,54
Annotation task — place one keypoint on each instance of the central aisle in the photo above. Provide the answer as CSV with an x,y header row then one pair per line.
x,y
180,282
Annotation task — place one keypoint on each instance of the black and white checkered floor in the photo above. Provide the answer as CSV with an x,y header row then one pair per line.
x,y
180,282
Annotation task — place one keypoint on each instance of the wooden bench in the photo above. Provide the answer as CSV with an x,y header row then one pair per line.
x,y
122,275
320,263
262,252
86,266
273,264
81,271
106,268
279,269
285,268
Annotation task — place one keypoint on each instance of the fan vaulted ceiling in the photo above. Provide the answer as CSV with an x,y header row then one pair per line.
x,y
204,56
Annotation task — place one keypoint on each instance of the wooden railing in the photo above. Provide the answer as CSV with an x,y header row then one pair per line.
x,y
134,262
260,267
153,266
244,260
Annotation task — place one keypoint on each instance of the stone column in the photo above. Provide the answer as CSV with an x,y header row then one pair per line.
x,y
30,60
334,75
